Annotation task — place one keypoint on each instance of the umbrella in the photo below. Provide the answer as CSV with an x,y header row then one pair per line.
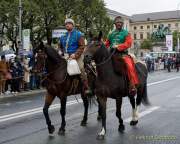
x,y
5,52
25,53
10,56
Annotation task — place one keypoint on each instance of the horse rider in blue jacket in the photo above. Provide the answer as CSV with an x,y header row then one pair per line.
x,y
72,44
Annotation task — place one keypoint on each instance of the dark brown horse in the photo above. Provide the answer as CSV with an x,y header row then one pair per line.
x,y
59,83
112,83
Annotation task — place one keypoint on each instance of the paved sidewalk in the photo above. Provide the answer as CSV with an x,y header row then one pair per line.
x,y
23,93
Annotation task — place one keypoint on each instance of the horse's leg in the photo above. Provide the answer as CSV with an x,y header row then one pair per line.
x,y
99,117
48,101
134,120
63,113
141,95
118,114
86,105
102,102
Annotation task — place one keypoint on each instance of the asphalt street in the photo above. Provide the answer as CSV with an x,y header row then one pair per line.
x,y
22,120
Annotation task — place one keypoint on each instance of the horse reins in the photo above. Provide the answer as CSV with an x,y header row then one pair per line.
x,y
102,63
109,58
90,67
58,82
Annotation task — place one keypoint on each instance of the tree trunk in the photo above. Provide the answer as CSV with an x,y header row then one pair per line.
x,y
48,36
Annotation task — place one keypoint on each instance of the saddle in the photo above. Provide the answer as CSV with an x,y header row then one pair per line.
x,y
119,65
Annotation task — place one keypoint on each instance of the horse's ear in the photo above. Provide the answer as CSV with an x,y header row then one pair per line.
x,y
100,36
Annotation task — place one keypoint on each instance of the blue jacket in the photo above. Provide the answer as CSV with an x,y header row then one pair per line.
x,y
72,45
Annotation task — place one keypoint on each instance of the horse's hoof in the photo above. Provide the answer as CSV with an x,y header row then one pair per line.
x,y
51,129
100,137
99,118
121,128
133,123
83,123
61,131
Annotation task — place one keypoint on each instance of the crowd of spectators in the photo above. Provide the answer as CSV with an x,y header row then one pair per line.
x,y
19,74
166,62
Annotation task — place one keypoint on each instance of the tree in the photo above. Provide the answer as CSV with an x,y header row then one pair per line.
x,y
93,17
42,16
9,19
146,44
46,16
176,34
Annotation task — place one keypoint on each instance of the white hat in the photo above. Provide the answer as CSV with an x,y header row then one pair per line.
x,y
69,20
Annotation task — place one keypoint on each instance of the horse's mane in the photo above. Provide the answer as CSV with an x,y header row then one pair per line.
x,y
52,54
103,51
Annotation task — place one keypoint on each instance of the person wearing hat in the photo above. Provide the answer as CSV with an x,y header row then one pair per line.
x,y
121,40
72,45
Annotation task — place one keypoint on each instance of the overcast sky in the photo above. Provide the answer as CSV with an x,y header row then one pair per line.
x,y
130,7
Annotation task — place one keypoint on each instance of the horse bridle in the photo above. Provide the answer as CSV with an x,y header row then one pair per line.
x,y
102,63
109,58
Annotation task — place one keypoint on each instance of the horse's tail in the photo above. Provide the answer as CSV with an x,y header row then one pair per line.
x,y
142,90
144,95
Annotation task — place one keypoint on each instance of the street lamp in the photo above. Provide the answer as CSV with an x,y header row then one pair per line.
x,y
20,24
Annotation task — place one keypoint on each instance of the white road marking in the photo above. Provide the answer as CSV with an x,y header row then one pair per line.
x,y
142,114
33,111
56,106
166,80
23,102
5,104
178,96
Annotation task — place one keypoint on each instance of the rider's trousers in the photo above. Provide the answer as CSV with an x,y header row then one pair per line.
x,y
131,71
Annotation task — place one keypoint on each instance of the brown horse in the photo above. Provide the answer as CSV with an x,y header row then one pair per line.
x,y
58,83
111,82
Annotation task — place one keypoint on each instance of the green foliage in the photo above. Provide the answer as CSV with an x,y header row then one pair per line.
x,y
146,44
176,34
42,16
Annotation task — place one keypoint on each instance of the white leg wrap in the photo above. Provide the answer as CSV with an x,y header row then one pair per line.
x,y
103,132
135,114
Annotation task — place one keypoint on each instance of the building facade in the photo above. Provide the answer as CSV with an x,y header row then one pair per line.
x,y
141,26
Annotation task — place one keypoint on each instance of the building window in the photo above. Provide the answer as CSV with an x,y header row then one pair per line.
x,y
141,36
155,26
141,27
176,24
135,27
135,36
148,27
169,25
148,35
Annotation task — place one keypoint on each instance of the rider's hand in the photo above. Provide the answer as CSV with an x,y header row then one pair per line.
x,y
115,46
73,56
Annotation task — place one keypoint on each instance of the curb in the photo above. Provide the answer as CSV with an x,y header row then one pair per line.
x,y
26,93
